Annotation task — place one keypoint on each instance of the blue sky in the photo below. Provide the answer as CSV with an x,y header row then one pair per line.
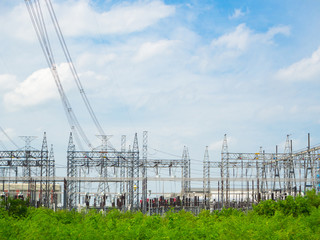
x,y
186,71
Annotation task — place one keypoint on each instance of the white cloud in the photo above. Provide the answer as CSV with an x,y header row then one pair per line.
x,y
100,60
237,14
78,18
19,20
150,49
242,41
284,30
243,37
121,19
238,39
38,88
303,70
8,82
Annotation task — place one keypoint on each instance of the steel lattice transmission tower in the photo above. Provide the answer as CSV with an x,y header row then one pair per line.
x,y
52,174
225,188
289,169
186,186
276,178
133,172
136,171
309,169
44,199
72,172
103,187
26,171
144,171
206,176
124,163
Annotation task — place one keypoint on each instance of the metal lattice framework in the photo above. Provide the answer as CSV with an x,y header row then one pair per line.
x,y
206,176
246,176
133,170
224,172
102,160
135,161
287,173
144,171
31,166
186,183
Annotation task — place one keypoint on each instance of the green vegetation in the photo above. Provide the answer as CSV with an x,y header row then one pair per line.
x,y
293,218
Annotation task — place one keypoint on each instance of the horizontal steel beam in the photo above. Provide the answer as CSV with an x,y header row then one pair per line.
x,y
156,179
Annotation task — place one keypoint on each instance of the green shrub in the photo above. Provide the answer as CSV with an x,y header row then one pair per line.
x,y
290,206
293,218
15,207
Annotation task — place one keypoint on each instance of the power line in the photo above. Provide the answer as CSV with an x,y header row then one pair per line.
x,y
9,138
37,19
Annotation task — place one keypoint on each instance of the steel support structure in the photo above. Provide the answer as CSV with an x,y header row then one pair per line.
x,y
272,175
123,163
95,160
224,170
206,177
144,172
101,160
31,166
185,184
136,171
71,173
44,189
243,176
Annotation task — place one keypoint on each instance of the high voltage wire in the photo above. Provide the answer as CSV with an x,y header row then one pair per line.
x,y
174,155
38,22
9,138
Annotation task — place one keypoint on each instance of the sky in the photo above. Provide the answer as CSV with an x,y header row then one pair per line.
x,y
187,72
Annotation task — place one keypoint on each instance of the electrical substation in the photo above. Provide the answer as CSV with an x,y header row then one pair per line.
x,y
125,177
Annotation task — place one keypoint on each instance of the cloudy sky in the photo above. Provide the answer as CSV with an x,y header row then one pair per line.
x,y
185,71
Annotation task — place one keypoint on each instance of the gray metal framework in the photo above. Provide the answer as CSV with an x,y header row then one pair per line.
x,y
206,177
186,172
246,176
123,163
120,160
224,170
31,166
267,174
134,193
144,171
